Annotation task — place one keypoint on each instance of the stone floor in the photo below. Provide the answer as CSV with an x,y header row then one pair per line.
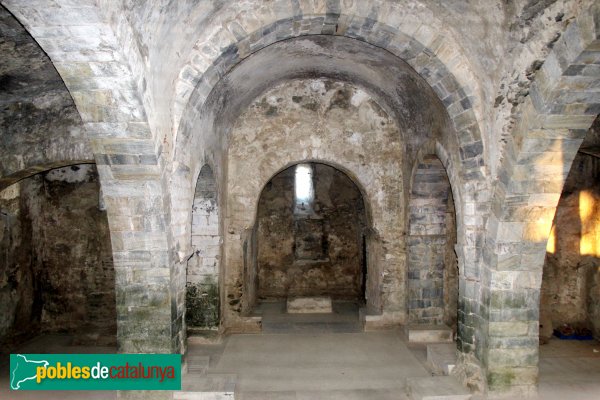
x,y
323,364
343,319
314,365
570,369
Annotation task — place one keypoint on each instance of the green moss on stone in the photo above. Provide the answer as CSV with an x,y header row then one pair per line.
x,y
497,380
202,304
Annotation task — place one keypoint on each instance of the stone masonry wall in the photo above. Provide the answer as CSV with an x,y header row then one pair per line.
x,y
56,269
330,238
19,309
428,242
202,290
451,273
335,123
553,120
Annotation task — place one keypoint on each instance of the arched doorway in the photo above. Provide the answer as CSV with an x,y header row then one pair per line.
x,y
311,233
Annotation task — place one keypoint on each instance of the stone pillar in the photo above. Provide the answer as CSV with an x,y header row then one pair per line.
x,y
143,277
511,296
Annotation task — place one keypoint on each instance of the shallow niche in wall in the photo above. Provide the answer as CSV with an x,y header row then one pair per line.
x,y
432,262
202,287
311,225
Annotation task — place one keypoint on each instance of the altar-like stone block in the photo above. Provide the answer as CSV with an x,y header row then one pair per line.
x,y
309,305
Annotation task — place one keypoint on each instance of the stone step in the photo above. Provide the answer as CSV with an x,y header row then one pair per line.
x,y
436,388
429,334
208,383
203,337
442,357
197,364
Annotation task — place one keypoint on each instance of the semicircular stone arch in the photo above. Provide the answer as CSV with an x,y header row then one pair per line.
x,y
374,223
433,56
91,48
312,232
335,164
198,79
562,105
434,147
309,132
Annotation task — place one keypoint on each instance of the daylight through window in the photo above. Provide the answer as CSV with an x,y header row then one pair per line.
x,y
304,191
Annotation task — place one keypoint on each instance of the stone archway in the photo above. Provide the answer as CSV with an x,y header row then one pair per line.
x,y
201,107
102,69
536,160
317,112
311,233
243,35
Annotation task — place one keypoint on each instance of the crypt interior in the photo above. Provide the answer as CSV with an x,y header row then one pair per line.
x,y
306,199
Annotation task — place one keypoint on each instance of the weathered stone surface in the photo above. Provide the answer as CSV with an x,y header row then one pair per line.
x,y
436,388
308,305
428,333
432,266
33,102
569,287
202,275
442,357
317,116
501,92
57,271
313,248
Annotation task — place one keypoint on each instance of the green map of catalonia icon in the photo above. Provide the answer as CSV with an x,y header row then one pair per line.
x,y
24,370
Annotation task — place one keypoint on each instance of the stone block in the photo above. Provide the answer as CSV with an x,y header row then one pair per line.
x,y
510,231
512,357
512,328
503,379
309,305
429,334
436,388
566,121
384,321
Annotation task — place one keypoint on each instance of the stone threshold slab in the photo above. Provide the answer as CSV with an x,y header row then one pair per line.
x,y
309,305
428,334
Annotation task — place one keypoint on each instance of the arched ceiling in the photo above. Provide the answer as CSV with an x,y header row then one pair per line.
x,y
416,108
40,127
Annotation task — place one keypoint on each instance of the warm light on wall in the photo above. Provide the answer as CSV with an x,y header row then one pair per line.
x,y
538,229
589,212
551,246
